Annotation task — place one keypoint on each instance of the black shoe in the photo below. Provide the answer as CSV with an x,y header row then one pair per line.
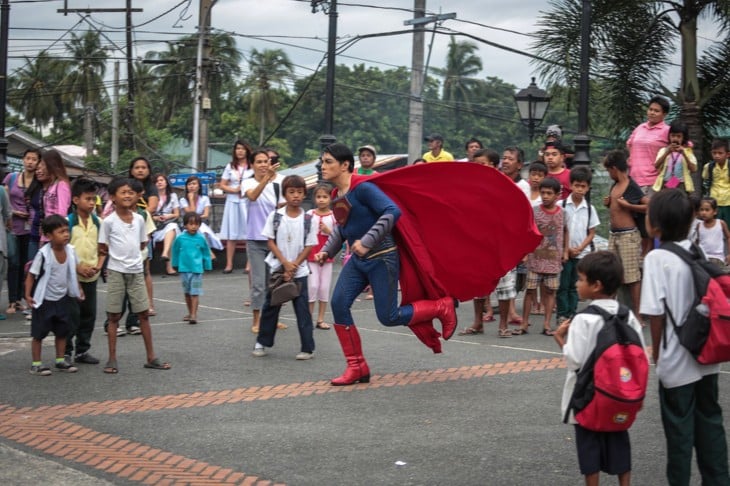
x,y
86,358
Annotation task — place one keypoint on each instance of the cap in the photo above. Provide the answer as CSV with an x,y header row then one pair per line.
x,y
554,131
369,148
434,136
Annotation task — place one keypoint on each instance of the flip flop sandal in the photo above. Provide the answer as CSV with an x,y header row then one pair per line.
x,y
156,364
110,367
505,333
519,332
192,321
548,332
322,325
488,318
186,318
151,312
469,331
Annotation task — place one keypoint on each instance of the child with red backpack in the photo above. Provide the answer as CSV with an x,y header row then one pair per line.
x,y
603,333
688,390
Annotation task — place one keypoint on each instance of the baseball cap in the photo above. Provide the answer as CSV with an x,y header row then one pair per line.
x,y
369,148
434,136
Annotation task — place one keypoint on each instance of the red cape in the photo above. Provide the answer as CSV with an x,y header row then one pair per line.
x,y
463,226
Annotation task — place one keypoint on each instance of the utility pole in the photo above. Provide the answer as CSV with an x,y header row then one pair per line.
x,y
127,10
199,157
329,7
4,28
115,119
418,75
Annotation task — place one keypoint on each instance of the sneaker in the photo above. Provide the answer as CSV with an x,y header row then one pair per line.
x,y
302,356
259,351
68,368
121,331
86,358
134,330
68,359
40,370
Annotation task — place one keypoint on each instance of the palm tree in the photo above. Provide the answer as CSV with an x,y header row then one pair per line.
x,y
84,79
632,44
270,67
34,90
461,67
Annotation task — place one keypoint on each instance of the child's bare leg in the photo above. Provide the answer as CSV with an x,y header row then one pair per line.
x,y
144,326
624,479
592,479
148,283
35,349
487,310
111,337
635,292
548,300
189,304
322,310
513,315
504,306
256,319
527,306
478,310
194,299
60,346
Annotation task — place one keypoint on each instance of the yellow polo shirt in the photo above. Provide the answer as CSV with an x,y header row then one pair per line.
x,y
85,240
443,156
720,189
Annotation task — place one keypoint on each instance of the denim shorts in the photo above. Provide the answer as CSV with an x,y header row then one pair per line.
x,y
192,283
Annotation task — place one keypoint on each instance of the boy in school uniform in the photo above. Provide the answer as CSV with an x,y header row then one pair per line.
x,y
84,229
289,245
581,220
688,391
716,178
191,257
599,278
624,201
122,237
50,287
544,264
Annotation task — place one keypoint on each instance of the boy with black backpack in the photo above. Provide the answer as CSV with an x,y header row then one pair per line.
x,y
688,390
605,330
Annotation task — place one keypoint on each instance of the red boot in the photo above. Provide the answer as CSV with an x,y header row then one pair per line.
x,y
444,309
357,368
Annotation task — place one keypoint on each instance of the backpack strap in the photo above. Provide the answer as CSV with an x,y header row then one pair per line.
x,y
277,223
276,194
307,224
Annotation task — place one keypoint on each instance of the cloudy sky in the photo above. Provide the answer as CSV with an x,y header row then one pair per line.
x,y
291,25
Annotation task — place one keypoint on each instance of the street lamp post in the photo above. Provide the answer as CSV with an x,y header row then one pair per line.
x,y
582,141
532,104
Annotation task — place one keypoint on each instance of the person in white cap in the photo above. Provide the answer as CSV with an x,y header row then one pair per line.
x,y
366,155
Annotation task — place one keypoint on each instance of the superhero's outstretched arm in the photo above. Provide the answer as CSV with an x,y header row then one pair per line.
x,y
334,242
381,204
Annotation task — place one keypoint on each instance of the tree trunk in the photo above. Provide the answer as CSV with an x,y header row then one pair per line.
x,y
262,120
89,129
691,116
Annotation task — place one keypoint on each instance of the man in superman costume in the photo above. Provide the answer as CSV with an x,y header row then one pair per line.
x,y
447,231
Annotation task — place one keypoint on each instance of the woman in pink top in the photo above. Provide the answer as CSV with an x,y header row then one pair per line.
x,y
645,142
55,189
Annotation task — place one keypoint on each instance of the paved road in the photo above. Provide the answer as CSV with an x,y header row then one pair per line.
x,y
485,412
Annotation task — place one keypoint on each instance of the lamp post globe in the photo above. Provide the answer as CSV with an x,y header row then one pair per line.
x,y
532,104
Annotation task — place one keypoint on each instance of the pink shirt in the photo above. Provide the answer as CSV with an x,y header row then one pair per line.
x,y
644,144
56,200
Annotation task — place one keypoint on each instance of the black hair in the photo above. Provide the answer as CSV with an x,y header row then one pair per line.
x,y
605,267
490,154
551,183
671,213
52,223
168,187
618,159
471,141
661,101
556,145
136,185
694,201
117,183
293,181
710,200
234,160
581,174
520,153
191,217
720,143
33,151
83,185
538,166
258,151
677,126
149,169
341,154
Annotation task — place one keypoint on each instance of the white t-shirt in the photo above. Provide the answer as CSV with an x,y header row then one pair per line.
x,y
260,209
57,284
577,222
123,240
667,279
201,203
234,178
289,239
525,187
581,341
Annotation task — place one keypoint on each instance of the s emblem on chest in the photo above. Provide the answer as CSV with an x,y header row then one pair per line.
x,y
341,210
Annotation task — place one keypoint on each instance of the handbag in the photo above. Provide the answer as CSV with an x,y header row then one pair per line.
x,y
281,290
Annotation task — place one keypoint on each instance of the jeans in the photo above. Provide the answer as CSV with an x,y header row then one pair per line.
x,y
256,252
270,317
382,274
567,297
83,318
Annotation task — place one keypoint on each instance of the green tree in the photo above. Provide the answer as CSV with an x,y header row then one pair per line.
x,y
462,64
632,43
34,90
84,78
268,69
